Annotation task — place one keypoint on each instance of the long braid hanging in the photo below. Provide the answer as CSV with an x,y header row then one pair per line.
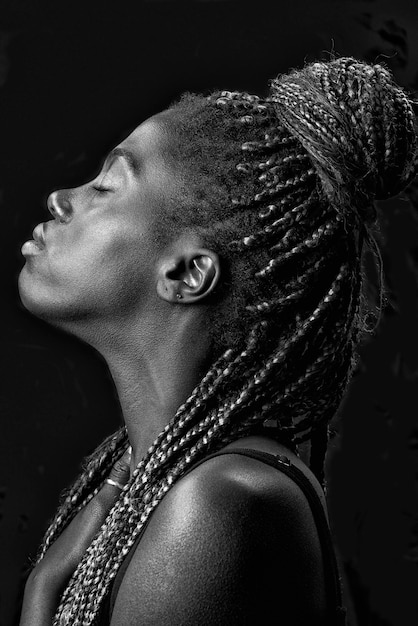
x,y
87,485
316,182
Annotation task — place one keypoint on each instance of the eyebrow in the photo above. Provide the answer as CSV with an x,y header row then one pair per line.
x,y
127,155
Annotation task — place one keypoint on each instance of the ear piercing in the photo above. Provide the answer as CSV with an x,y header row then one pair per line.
x,y
179,296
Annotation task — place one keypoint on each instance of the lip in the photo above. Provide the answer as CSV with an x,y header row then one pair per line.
x,y
39,235
37,244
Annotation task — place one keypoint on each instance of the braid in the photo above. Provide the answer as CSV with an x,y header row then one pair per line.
x,y
364,111
96,469
292,180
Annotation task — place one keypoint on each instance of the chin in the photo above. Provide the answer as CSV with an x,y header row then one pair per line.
x,y
33,304
29,295
43,303
36,299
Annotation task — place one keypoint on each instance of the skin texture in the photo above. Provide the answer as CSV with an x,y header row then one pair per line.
x,y
105,276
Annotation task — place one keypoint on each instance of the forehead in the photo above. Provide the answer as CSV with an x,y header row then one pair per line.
x,y
150,139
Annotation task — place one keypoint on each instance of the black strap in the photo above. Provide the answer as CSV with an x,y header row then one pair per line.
x,y
282,463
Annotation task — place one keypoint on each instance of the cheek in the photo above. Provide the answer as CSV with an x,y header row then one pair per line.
x,y
111,261
108,268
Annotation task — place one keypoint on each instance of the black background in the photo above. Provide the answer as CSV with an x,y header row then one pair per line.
x,y
74,79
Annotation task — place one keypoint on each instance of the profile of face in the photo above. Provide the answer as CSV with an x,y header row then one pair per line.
x,y
97,256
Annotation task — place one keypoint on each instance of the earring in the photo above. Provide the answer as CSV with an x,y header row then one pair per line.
x,y
179,296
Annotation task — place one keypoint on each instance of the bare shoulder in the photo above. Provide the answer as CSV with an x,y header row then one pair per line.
x,y
233,542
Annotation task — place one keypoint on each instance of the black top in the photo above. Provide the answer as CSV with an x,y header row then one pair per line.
x,y
337,612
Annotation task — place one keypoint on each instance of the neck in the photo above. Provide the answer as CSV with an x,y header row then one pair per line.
x,y
155,374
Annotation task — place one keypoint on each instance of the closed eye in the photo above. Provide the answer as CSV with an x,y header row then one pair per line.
x,y
101,189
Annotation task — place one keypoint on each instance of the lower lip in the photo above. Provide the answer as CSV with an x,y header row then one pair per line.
x,y
32,247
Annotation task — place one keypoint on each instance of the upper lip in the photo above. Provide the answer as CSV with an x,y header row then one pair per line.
x,y
39,234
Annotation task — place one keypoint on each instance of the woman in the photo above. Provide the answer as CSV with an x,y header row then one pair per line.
x,y
215,262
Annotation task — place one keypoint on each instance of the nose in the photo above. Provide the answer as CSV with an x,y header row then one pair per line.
x,y
59,206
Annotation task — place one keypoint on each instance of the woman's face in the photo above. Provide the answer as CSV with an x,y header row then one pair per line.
x,y
97,256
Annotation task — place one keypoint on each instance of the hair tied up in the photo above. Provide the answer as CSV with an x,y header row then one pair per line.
x,y
358,127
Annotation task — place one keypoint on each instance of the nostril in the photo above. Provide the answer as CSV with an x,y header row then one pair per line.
x,y
59,206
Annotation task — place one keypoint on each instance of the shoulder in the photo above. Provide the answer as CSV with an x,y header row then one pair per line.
x,y
235,488
222,545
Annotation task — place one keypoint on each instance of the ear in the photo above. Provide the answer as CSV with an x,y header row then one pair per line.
x,y
188,277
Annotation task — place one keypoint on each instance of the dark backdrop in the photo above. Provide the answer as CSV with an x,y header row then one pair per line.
x,y
73,81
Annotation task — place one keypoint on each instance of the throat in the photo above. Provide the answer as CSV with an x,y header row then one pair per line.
x,y
151,395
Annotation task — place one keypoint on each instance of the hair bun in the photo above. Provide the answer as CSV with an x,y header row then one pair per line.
x,y
358,126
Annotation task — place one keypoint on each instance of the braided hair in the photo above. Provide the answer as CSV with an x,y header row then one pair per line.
x,y
282,187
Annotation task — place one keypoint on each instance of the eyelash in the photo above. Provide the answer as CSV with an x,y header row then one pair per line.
x,y
100,189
